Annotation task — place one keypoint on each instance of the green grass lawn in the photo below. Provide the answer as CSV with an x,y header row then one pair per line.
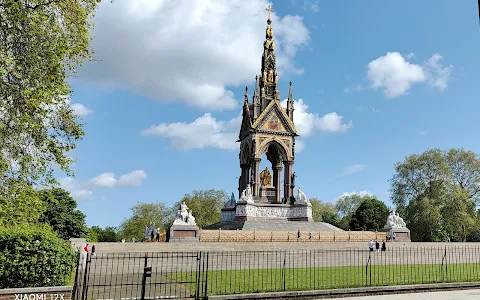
x,y
293,279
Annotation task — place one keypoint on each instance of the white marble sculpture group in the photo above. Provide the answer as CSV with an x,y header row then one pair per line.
x,y
395,221
184,216
247,194
248,197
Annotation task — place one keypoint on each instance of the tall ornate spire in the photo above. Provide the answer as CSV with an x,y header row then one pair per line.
x,y
290,103
269,78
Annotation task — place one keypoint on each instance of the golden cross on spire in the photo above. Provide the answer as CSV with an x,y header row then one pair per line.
x,y
269,9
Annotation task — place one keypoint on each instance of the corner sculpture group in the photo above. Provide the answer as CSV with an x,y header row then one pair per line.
x,y
395,221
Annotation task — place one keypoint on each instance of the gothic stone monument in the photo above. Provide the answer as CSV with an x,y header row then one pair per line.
x,y
267,128
184,228
396,226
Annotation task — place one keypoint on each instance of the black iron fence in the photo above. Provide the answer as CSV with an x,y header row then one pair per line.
x,y
196,275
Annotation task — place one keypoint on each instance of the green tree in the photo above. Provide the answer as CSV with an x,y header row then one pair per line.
x,y
41,44
142,215
348,204
109,234
205,205
324,212
424,218
61,213
21,204
98,234
444,179
346,207
458,216
422,175
370,215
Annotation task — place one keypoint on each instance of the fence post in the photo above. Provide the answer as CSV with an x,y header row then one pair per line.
x,y
205,271
284,270
366,268
85,273
75,283
147,272
271,236
199,259
443,260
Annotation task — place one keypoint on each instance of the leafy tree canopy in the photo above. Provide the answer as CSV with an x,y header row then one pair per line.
x,y
206,205
370,215
324,212
61,213
41,43
142,215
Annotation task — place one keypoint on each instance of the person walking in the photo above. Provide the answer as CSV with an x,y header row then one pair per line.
x,y
377,246
384,247
298,236
371,244
93,250
309,235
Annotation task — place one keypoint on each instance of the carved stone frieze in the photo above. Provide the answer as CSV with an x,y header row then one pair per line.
x,y
277,212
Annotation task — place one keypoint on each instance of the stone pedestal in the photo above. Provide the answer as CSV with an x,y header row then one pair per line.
x,y
268,211
184,233
401,234
268,194
227,214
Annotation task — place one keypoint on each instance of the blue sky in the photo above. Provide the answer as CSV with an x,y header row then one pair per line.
x,y
375,81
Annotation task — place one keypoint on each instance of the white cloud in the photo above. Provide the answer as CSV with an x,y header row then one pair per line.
x,y
353,169
368,108
299,145
77,190
204,132
207,132
423,132
410,55
80,109
395,75
188,51
307,123
84,190
438,75
108,180
361,194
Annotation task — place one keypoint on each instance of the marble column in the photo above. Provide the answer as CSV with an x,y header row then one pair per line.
x,y
245,176
256,177
287,180
277,170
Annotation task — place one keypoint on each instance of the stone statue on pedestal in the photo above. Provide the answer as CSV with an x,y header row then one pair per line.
x,y
184,216
394,221
247,195
301,198
266,177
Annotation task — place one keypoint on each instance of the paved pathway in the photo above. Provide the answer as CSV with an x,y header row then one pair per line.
x,y
449,295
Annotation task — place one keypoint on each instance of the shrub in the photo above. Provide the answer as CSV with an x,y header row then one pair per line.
x,y
34,256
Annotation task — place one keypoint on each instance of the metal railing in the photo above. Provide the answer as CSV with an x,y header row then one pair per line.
x,y
200,274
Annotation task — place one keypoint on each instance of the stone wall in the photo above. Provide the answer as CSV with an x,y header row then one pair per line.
x,y
288,236
39,293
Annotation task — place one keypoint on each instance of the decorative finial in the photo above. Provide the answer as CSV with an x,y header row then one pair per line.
x,y
290,83
256,77
269,9
246,89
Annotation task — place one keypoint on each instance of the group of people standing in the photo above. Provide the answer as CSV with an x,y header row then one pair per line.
x,y
376,246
